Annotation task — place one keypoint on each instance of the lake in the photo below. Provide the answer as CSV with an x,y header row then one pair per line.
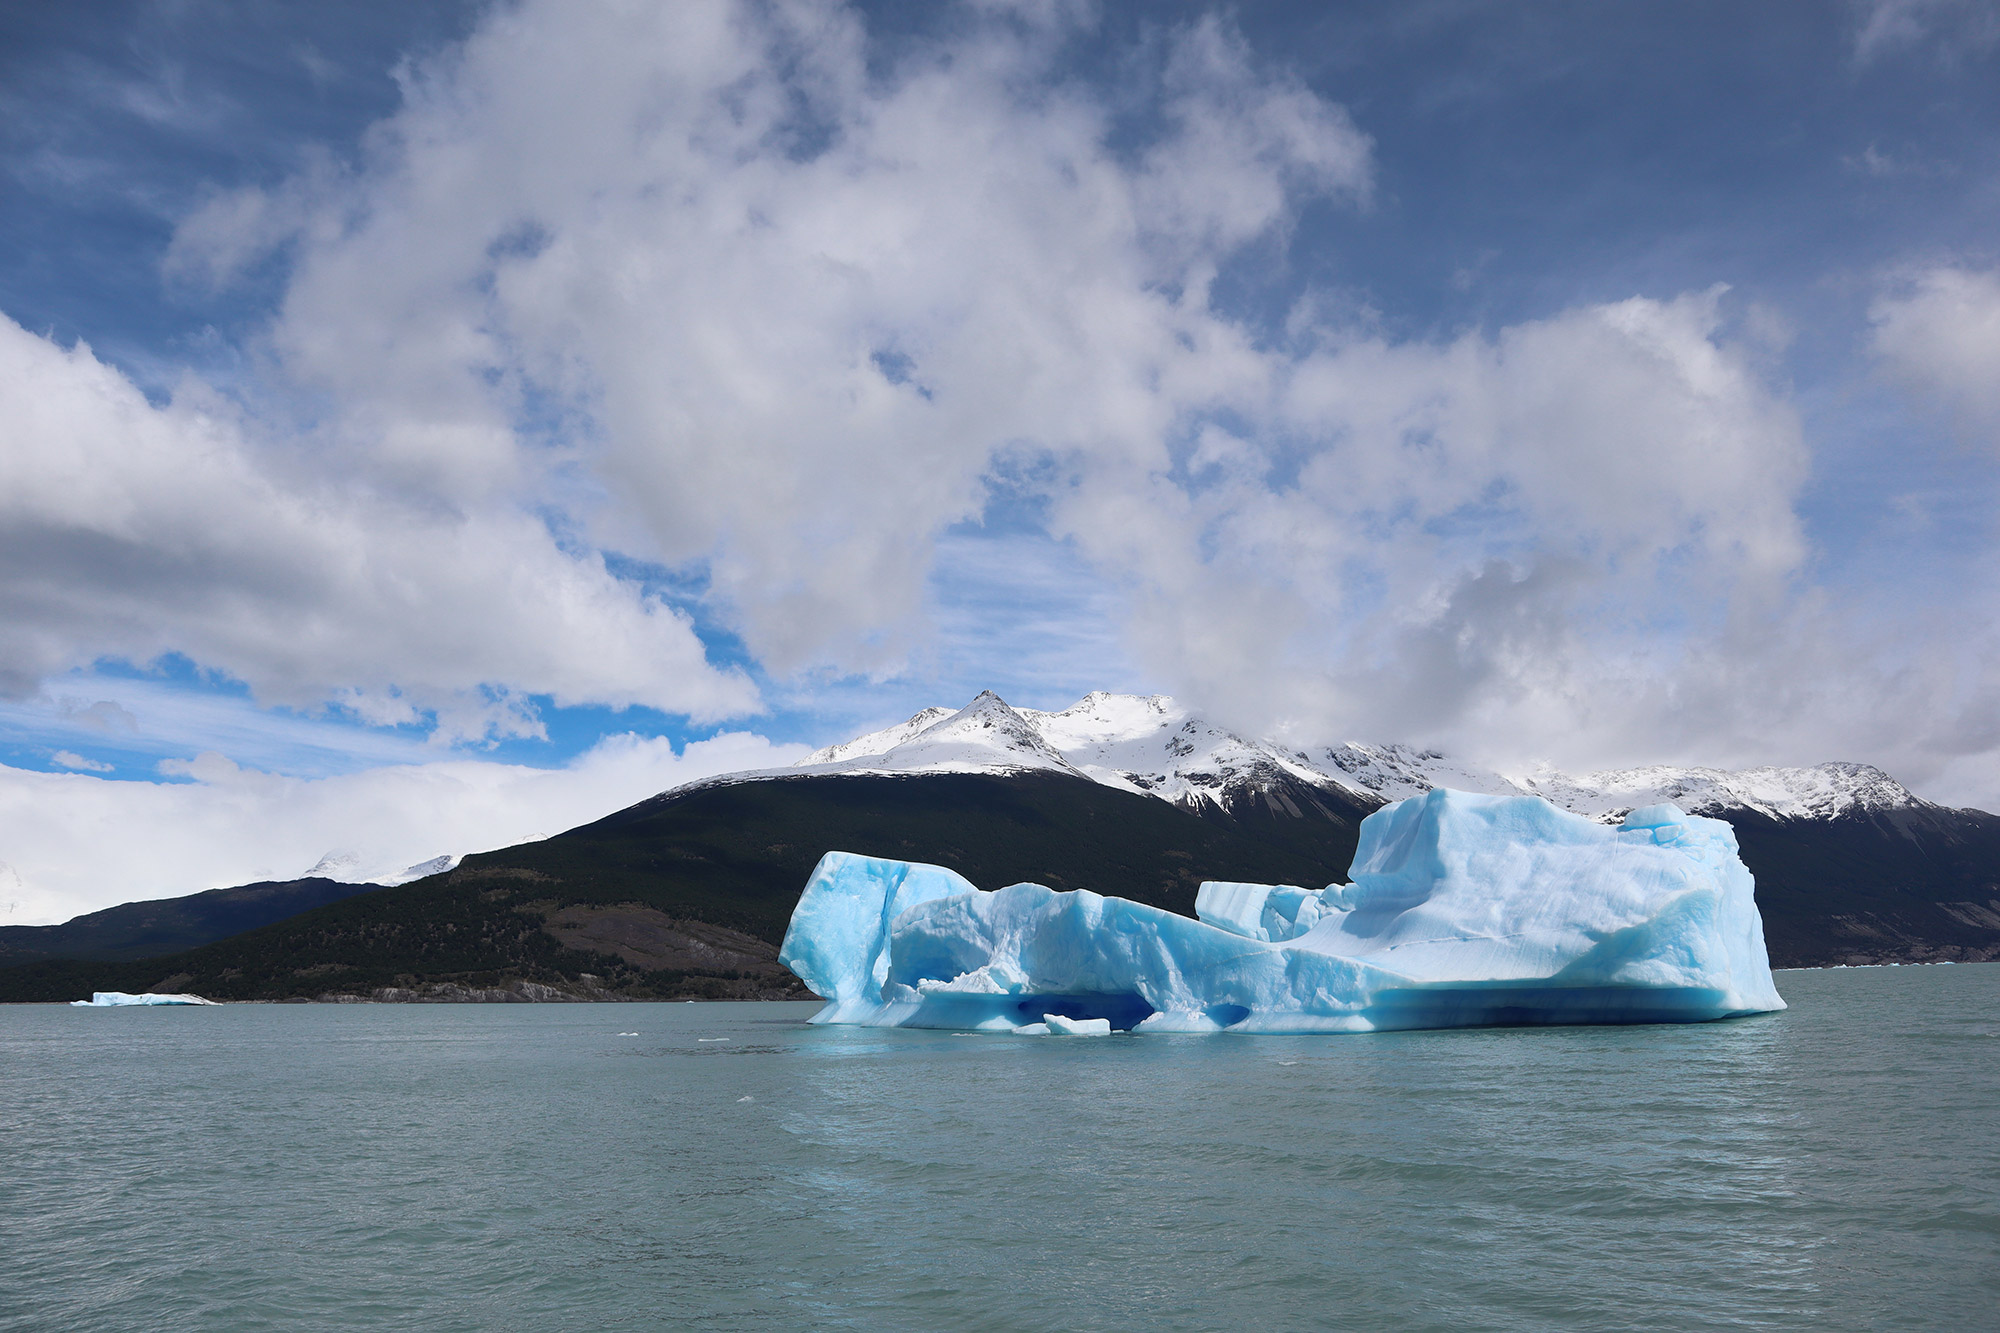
x,y
725,1166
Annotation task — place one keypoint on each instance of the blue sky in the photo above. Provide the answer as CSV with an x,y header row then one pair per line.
x,y
459,384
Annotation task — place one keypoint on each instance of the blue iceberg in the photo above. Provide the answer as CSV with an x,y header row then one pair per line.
x,y
118,999
1465,910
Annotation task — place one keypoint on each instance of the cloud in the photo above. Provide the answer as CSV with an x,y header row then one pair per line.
x,y
105,715
1955,25
233,230
1938,330
132,531
730,288
67,759
737,293
146,719
786,312
80,843
1487,541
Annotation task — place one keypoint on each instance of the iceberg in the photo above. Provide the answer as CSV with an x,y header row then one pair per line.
x,y
1465,910
118,999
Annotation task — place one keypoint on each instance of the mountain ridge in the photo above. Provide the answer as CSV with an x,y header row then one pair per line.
x,y
1149,744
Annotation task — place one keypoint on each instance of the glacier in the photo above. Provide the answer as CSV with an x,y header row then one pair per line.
x,y
118,999
1464,910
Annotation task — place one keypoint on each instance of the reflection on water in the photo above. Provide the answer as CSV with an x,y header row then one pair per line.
x,y
498,1167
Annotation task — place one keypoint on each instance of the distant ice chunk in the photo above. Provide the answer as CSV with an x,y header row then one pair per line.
x,y
1465,910
1055,1025
118,999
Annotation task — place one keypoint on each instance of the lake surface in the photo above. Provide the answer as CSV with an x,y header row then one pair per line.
x,y
499,1167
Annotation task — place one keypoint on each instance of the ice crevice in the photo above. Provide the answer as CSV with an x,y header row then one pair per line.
x,y
1464,910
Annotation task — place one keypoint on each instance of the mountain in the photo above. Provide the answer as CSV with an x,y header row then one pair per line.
x,y
169,925
688,893
159,926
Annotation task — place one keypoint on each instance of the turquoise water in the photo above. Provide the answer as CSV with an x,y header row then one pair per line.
x,y
527,1167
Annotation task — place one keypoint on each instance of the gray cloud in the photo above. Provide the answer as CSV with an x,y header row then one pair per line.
x,y
1938,331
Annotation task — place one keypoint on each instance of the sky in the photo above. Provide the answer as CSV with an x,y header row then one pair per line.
x,y
427,426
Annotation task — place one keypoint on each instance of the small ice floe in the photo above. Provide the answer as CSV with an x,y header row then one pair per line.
x,y
711,1039
628,1034
1055,1025
118,999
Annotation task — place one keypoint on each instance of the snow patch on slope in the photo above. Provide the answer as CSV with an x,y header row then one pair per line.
x,y
344,867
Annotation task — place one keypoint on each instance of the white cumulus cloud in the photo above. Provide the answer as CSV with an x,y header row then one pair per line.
x,y
129,530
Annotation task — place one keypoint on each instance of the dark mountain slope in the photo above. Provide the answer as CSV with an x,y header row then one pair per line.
x,y
1901,886
689,893
169,925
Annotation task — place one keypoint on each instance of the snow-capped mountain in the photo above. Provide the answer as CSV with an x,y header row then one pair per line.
x,y
1149,744
982,736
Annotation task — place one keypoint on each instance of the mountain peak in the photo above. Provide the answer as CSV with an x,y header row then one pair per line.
x,y
985,734
988,723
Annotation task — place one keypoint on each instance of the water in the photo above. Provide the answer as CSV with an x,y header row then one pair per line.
x,y
526,1167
